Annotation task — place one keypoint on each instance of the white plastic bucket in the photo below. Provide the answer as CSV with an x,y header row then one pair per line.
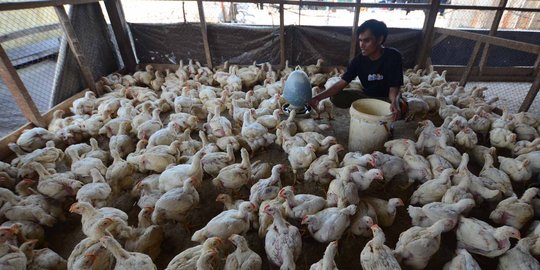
x,y
370,125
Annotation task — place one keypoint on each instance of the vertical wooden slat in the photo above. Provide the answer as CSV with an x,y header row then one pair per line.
x,y
204,33
75,46
119,26
427,33
533,91
466,74
282,56
354,34
492,32
18,90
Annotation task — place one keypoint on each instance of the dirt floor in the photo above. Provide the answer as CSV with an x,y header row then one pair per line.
x,y
63,237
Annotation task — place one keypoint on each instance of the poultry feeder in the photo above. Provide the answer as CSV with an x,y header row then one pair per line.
x,y
297,92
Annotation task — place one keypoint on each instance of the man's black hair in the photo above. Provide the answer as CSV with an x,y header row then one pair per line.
x,y
378,28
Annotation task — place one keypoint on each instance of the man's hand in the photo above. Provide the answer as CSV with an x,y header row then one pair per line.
x,y
396,110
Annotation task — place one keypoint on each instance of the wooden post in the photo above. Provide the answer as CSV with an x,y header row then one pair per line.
x,y
492,32
119,26
354,35
18,90
427,33
75,46
533,91
204,34
282,56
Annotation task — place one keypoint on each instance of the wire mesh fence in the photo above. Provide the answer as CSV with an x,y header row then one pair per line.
x,y
31,39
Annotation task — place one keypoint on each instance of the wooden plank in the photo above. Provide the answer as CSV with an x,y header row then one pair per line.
x,y
28,31
472,59
282,53
533,91
427,33
119,26
511,44
354,34
204,33
75,46
492,32
5,152
438,40
536,67
18,90
41,3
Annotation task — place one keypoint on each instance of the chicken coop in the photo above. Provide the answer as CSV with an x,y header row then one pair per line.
x,y
151,134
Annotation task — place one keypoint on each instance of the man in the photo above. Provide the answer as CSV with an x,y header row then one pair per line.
x,y
379,69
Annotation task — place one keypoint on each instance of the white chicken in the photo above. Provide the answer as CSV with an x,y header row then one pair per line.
x,y
235,176
212,163
283,242
480,238
301,157
430,213
174,176
513,211
327,262
300,205
243,257
417,244
95,193
330,223
386,210
519,257
376,255
127,260
432,190
42,258
176,202
462,260
319,169
226,223
267,189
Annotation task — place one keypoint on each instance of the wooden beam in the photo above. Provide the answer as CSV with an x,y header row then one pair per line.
x,y
536,67
28,31
204,33
511,44
472,59
5,152
492,32
438,40
354,34
120,28
282,56
41,3
427,33
75,46
531,95
18,90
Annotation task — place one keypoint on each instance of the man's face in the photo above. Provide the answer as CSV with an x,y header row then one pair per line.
x,y
368,43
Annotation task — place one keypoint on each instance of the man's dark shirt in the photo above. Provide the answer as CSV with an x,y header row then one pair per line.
x,y
377,76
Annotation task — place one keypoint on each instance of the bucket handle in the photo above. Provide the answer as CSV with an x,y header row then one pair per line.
x,y
386,128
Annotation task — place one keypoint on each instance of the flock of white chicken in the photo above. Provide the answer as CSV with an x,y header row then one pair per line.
x,y
140,142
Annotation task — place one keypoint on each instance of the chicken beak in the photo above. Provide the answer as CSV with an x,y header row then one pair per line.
x,y
304,220
72,208
372,162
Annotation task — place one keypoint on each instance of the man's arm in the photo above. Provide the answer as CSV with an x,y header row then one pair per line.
x,y
392,94
334,89
394,106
